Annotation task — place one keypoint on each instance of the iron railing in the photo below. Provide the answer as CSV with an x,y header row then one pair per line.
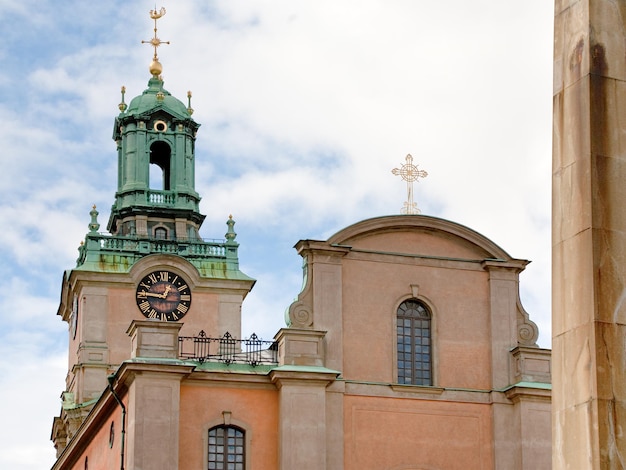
x,y
229,350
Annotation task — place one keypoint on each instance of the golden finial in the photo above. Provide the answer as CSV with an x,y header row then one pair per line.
x,y
122,106
189,108
155,67
409,173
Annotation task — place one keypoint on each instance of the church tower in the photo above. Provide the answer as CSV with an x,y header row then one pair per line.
x,y
408,346
153,264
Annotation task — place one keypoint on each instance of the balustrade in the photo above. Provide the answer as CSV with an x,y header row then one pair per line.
x,y
199,248
161,198
228,350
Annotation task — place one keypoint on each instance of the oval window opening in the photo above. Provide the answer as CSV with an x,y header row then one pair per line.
x,y
160,126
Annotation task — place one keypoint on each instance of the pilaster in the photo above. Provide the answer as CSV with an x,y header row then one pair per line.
x,y
153,395
300,347
319,305
589,235
503,292
302,432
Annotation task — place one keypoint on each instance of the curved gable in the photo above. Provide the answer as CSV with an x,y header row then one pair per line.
x,y
418,234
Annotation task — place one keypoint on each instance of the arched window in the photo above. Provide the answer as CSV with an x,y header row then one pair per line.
x,y
414,343
160,233
226,448
160,156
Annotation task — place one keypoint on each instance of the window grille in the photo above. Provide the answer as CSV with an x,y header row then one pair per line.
x,y
414,343
226,448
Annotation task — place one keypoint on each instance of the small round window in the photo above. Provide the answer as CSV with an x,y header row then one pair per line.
x,y
160,126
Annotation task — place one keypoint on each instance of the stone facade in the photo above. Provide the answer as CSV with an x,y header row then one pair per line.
x,y
408,347
332,398
589,234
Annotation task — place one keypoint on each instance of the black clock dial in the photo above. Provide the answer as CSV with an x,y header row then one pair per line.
x,y
163,295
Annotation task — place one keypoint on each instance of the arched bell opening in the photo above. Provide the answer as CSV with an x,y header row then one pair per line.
x,y
160,162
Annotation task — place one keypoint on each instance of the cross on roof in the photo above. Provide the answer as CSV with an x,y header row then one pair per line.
x,y
409,173
155,41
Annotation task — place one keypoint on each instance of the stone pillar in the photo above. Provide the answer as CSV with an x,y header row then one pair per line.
x,y
154,338
589,235
153,415
503,292
300,347
153,395
319,305
93,351
302,428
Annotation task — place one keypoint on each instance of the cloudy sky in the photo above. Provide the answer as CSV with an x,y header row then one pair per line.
x,y
305,106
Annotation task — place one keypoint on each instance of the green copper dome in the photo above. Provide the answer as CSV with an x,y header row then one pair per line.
x,y
156,97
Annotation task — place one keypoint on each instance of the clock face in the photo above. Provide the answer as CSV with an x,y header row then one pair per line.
x,y
163,295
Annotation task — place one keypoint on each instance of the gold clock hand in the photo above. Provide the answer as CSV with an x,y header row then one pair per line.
x,y
168,288
152,294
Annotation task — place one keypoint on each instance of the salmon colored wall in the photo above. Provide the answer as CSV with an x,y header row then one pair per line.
x,y
372,291
256,409
418,241
100,455
388,433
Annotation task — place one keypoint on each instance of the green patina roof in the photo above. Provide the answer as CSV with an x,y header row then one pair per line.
x,y
297,368
156,97
260,369
117,254
538,385
106,253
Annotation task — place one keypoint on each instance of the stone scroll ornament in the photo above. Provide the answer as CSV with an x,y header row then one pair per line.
x,y
527,331
300,315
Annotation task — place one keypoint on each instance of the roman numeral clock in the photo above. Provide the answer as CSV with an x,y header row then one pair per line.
x,y
163,295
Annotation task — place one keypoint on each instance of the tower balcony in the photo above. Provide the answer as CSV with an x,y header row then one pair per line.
x,y
113,253
118,252
183,247
161,198
155,198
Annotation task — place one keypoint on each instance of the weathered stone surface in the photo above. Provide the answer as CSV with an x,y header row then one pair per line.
x,y
589,234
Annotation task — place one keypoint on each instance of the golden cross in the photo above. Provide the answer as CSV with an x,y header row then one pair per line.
x,y
155,41
409,173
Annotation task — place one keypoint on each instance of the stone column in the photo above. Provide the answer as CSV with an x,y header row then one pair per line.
x,y
302,429
503,292
154,339
153,405
92,357
319,305
589,235
153,395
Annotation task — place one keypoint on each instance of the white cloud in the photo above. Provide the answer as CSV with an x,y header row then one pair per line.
x,y
305,107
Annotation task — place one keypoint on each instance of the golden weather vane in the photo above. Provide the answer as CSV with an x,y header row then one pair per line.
x,y
409,173
155,67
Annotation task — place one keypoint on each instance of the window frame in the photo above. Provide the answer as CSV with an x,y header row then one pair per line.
x,y
160,229
431,380
226,420
226,428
